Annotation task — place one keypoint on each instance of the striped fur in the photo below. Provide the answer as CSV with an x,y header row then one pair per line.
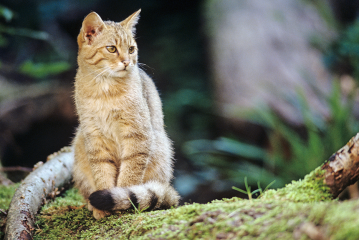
x,y
122,152
149,196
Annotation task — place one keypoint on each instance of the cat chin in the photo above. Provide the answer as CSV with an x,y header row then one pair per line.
x,y
121,73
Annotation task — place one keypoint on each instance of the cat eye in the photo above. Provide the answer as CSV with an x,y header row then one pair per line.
x,y
131,49
111,49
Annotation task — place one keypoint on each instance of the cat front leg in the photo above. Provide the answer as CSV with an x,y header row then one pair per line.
x,y
97,214
132,170
104,171
136,151
103,165
84,167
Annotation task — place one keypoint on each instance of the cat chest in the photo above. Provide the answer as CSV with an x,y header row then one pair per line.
x,y
111,116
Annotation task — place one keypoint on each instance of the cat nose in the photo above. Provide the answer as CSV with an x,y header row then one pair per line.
x,y
126,62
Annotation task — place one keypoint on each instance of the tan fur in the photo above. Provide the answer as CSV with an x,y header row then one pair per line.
x,y
121,141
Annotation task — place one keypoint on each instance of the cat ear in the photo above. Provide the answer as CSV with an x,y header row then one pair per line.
x,y
91,27
130,22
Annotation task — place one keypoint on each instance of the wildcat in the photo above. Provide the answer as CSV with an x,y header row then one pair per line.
x,y
123,156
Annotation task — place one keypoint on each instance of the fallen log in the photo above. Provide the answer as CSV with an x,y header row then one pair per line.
x,y
30,195
302,198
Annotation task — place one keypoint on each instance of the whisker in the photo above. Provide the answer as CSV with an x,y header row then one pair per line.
x,y
93,72
144,66
110,74
104,71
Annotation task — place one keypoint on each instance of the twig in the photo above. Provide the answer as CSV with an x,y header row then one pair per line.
x,y
15,168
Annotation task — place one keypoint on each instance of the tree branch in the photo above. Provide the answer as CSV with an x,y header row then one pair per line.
x,y
29,196
15,168
342,168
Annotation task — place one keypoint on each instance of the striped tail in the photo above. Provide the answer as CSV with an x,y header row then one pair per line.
x,y
149,196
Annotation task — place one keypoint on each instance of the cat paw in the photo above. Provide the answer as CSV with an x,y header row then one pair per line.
x,y
99,214
89,207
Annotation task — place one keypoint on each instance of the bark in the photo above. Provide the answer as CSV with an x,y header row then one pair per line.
x,y
28,198
342,168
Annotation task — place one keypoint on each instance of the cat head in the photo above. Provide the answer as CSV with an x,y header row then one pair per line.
x,y
106,47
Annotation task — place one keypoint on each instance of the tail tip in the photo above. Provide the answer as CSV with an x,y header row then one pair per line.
x,y
102,200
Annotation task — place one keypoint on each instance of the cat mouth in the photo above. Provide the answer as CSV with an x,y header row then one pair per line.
x,y
124,69
121,73
119,69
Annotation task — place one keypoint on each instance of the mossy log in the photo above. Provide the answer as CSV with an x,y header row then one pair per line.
x,y
31,193
301,210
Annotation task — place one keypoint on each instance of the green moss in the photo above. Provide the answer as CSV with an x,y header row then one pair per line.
x,y
72,198
310,189
230,218
269,217
6,193
342,220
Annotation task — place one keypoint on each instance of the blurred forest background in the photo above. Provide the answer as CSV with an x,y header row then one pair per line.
x,y
265,90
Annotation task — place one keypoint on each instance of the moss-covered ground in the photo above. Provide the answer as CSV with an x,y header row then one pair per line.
x,y
6,193
282,214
